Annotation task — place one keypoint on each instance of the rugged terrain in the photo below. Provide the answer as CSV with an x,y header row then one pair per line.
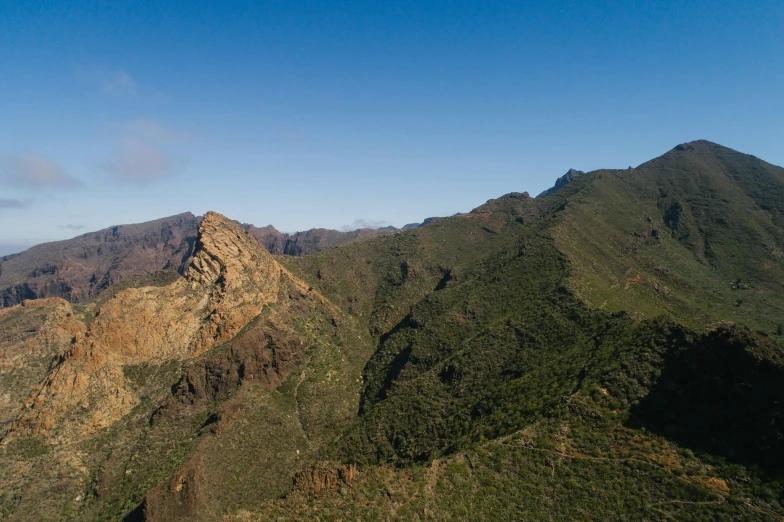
x,y
79,269
611,350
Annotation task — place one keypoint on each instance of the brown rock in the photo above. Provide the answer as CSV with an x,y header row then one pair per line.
x,y
78,269
179,497
228,282
322,477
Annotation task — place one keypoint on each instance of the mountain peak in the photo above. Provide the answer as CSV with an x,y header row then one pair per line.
x,y
229,281
562,181
222,245
703,146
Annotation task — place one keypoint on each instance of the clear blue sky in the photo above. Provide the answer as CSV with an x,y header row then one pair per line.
x,y
306,114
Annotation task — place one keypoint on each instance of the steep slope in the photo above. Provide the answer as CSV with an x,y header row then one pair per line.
x,y
694,234
79,268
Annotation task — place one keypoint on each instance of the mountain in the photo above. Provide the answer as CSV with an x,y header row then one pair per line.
x,y
81,268
562,181
78,269
313,240
610,351
416,225
695,234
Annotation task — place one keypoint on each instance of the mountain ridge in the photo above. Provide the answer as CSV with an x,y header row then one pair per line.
x,y
80,268
611,350
561,182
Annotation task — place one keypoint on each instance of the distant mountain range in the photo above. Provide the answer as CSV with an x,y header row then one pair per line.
x,y
80,268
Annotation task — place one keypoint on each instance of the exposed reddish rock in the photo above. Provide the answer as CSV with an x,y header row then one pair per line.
x,y
229,281
32,336
78,269
266,353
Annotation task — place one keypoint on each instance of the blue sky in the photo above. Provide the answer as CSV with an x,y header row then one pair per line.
x,y
332,114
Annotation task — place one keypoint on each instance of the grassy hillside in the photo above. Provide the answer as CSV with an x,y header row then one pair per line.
x,y
693,234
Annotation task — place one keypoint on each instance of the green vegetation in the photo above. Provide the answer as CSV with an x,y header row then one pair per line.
x,y
584,464
693,234
577,356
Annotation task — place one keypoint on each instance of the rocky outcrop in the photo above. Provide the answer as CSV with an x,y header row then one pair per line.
x,y
322,477
265,353
178,498
562,182
226,285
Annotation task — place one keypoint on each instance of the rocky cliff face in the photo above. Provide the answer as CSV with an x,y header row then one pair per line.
x,y
79,268
228,282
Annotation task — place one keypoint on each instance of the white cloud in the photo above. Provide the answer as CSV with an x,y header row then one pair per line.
x,y
154,130
364,223
73,227
34,170
118,82
140,161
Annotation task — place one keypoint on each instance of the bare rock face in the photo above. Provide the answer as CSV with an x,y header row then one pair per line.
x,y
78,269
230,279
265,353
324,476
32,335
239,275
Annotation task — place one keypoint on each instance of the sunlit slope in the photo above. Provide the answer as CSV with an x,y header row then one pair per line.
x,y
696,233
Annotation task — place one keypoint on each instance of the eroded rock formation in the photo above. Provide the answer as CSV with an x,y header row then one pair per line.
x,y
323,477
229,281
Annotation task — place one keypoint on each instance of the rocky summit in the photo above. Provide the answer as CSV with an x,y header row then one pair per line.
x,y
229,280
610,350
155,252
